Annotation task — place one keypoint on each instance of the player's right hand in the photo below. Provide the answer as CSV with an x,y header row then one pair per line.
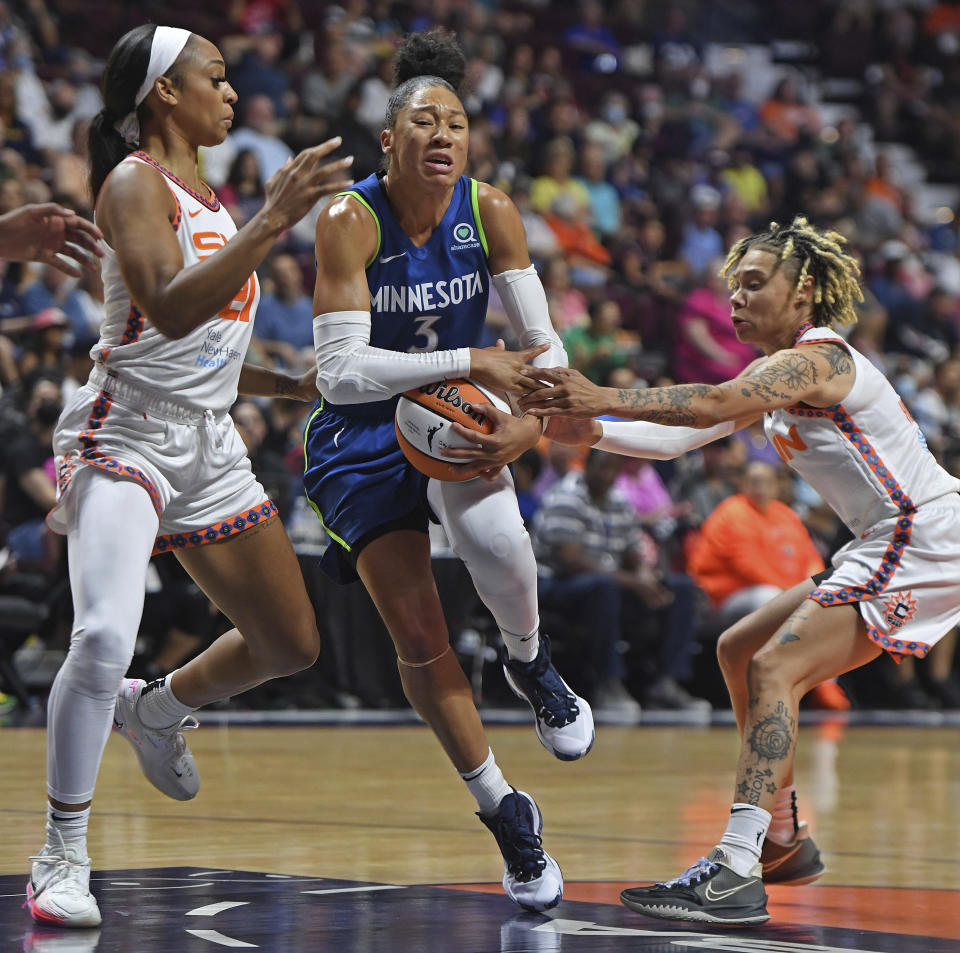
x,y
302,181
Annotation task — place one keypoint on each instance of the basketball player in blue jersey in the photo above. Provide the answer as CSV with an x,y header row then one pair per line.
x,y
148,457
404,265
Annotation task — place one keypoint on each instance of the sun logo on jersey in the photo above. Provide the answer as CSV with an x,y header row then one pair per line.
x,y
899,609
464,236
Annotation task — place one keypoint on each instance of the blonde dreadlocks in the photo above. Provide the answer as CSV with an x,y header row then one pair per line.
x,y
820,254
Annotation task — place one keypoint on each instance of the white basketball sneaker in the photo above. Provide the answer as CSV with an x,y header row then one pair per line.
x,y
164,757
58,892
564,721
531,877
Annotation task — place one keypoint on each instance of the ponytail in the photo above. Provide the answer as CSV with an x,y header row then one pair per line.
x,y
124,72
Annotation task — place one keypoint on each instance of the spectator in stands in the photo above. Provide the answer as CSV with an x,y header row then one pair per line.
x,y
567,303
557,178
44,351
541,239
742,176
706,347
614,130
30,478
268,466
751,548
259,133
592,39
324,88
599,347
702,243
284,324
260,72
787,115
599,571
708,476
605,214
936,408
243,192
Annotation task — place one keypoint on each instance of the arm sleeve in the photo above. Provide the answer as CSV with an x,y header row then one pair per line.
x,y
640,438
525,303
350,371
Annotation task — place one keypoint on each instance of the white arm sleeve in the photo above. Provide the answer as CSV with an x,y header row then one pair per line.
x,y
350,371
640,438
525,302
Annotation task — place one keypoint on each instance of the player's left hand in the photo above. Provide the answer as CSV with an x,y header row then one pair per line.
x,y
571,394
490,452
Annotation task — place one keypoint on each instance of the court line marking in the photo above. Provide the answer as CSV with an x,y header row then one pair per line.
x,y
214,937
357,889
212,909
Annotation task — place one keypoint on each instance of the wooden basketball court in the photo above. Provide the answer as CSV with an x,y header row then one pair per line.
x,y
333,838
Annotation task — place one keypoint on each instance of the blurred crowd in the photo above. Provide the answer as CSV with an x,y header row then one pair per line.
x,y
639,139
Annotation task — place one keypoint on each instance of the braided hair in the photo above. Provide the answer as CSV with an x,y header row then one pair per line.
x,y
807,251
425,59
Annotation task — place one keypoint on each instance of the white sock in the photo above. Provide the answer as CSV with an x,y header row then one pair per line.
x,y
785,824
744,835
487,785
158,707
70,825
523,648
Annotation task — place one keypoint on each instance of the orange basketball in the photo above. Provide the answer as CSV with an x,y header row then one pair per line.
x,y
423,418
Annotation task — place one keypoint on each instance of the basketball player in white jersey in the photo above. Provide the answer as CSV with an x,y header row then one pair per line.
x,y
835,419
148,456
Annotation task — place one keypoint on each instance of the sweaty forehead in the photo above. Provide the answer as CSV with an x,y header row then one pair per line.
x,y
436,99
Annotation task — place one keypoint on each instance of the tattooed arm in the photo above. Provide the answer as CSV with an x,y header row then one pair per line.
x,y
819,375
256,381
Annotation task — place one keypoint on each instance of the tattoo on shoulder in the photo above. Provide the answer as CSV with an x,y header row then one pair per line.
x,y
837,357
781,379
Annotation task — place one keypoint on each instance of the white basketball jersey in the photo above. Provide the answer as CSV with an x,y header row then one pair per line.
x,y
201,369
866,456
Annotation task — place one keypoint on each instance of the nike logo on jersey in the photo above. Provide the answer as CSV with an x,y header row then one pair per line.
x,y
195,212
336,437
383,260
712,894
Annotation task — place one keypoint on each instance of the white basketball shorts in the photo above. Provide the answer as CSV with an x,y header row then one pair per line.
x,y
194,465
905,575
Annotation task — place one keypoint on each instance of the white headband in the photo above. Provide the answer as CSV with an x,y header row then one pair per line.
x,y
168,43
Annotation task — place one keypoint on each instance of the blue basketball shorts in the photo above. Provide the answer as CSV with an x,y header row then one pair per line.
x,y
360,484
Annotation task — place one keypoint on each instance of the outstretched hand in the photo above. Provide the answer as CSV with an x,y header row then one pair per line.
x,y
52,235
302,181
567,392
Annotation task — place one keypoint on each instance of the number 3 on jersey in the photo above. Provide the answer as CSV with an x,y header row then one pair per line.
x,y
239,308
424,329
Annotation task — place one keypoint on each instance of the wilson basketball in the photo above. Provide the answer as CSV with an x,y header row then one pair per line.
x,y
423,424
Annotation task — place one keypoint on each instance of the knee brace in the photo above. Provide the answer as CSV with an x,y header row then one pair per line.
x,y
485,530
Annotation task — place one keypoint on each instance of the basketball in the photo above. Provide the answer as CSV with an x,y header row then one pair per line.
x,y
423,424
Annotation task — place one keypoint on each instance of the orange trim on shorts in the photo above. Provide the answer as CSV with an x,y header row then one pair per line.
x,y
217,531
91,454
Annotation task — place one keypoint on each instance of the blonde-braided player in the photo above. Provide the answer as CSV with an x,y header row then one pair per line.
x,y
895,587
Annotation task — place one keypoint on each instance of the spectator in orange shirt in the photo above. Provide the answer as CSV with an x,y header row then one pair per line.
x,y
752,547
